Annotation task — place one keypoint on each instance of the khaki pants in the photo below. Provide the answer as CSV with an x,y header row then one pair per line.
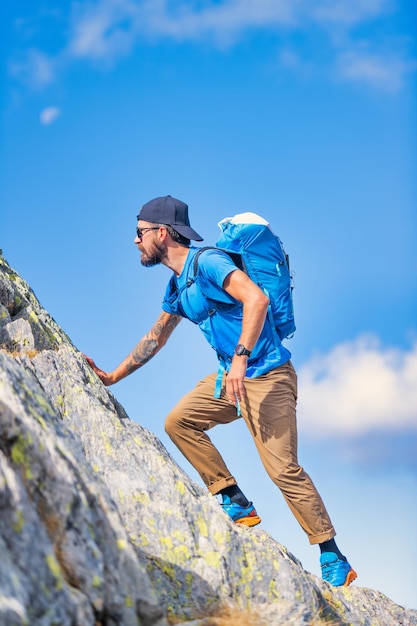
x,y
269,412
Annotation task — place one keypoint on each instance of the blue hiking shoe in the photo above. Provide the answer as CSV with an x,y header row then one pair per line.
x,y
245,515
336,571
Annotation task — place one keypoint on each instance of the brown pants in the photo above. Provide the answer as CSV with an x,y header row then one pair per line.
x,y
269,411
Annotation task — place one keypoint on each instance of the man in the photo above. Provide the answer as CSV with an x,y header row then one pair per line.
x,y
260,383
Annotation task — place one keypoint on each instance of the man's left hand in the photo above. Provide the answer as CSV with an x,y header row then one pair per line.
x,y
235,389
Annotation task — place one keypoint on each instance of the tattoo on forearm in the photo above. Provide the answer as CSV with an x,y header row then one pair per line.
x,y
165,326
142,353
149,345
171,323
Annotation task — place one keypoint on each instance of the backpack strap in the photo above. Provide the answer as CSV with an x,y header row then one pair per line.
x,y
235,256
197,256
238,261
219,381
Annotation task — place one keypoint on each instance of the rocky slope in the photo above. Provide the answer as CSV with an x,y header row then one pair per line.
x,y
99,525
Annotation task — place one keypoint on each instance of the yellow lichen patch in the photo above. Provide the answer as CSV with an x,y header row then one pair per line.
x,y
180,487
189,579
258,575
33,317
181,553
299,596
107,445
221,538
59,400
143,539
138,441
142,498
178,554
95,468
55,570
19,522
129,602
179,536
168,570
246,579
247,569
334,602
273,593
212,559
167,542
19,449
347,592
41,421
202,526
44,404
19,454
97,581
121,544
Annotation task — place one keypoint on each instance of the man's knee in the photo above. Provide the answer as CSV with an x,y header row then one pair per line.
x,y
284,473
171,422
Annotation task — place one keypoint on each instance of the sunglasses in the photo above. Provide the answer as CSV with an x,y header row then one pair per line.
x,y
140,231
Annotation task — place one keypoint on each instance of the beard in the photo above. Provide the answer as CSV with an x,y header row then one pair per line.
x,y
155,256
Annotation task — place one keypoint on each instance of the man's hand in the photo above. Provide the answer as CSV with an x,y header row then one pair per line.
x,y
106,377
235,389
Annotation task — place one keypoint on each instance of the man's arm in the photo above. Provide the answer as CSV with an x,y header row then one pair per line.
x,y
255,306
147,347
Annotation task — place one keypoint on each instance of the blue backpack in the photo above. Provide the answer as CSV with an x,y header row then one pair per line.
x,y
254,248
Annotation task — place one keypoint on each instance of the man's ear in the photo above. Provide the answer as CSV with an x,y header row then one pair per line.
x,y
162,233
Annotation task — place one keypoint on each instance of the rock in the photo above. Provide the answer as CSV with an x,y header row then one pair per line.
x,y
99,525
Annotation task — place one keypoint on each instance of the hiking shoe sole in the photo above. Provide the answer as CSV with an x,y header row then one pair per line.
x,y
352,575
249,520
245,515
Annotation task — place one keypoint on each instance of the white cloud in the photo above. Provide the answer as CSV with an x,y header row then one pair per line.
x,y
35,68
110,27
377,70
349,12
49,115
223,21
358,387
105,30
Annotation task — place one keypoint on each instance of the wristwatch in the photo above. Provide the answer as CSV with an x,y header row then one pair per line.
x,y
240,350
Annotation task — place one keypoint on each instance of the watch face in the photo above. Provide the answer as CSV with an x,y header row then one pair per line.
x,y
240,350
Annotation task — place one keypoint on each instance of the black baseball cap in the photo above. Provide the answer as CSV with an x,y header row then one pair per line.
x,y
170,211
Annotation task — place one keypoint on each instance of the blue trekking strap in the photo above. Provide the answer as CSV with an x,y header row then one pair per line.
x,y
238,261
270,315
222,369
219,381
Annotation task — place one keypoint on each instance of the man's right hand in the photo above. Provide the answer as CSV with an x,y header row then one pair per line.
x,y
105,377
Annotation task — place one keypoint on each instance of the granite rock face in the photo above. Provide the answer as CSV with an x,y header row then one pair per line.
x,y
100,526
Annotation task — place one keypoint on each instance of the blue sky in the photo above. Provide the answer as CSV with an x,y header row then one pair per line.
x,y
303,112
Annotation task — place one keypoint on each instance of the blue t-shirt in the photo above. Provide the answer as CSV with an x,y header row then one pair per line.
x,y
202,299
